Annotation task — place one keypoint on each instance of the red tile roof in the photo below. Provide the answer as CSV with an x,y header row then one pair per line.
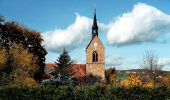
x,y
78,70
51,66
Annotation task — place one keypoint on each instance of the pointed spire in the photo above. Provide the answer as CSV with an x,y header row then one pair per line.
x,y
95,21
95,26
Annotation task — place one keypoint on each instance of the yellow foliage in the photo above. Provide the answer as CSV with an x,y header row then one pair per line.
x,y
22,59
30,82
132,80
2,58
22,65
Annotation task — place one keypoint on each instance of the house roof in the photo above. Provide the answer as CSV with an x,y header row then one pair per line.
x,y
78,70
51,66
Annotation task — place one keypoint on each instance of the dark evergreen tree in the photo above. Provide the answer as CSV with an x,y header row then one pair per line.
x,y
64,62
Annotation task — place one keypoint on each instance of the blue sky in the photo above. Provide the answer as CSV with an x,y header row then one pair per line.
x,y
127,28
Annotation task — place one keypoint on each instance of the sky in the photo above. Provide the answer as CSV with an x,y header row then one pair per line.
x,y
127,28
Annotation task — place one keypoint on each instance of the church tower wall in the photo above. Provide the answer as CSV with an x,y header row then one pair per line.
x,y
95,56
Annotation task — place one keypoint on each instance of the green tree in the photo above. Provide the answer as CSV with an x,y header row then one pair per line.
x,y
11,32
64,61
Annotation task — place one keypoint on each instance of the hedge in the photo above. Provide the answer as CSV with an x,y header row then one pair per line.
x,y
96,92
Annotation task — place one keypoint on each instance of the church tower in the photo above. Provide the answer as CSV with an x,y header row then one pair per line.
x,y
95,55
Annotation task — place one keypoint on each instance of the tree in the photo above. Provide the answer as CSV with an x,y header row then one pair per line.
x,y
110,75
20,66
64,61
2,19
3,60
153,69
132,80
11,32
168,78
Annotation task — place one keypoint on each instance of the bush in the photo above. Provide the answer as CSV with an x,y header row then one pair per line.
x,y
99,92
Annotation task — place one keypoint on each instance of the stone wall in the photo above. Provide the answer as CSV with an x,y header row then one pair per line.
x,y
95,68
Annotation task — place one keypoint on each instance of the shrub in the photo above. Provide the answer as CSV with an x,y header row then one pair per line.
x,y
132,80
95,92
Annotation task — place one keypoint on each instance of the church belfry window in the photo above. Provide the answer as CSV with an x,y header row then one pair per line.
x,y
95,57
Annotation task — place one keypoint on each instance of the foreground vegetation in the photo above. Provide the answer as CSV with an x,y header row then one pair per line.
x,y
95,92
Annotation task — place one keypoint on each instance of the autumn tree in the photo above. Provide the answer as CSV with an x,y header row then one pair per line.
x,y
110,75
168,78
153,69
20,67
132,80
63,62
31,40
163,80
3,60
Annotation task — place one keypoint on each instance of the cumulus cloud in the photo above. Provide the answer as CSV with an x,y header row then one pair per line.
x,y
72,37
76,35
114,60
144,23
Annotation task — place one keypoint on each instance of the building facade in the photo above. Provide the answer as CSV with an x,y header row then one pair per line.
x,y
95,55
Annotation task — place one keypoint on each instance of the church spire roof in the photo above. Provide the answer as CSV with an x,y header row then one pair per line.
x,y
95,26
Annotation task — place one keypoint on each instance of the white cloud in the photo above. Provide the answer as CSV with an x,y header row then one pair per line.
x,y
114,60
73,36
143,24
76,35
164,61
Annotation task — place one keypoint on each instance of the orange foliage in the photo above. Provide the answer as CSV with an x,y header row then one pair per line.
x,y
132,80
149,84
112,79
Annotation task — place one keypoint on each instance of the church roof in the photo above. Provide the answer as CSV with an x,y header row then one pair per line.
x,y
95,21
92,40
